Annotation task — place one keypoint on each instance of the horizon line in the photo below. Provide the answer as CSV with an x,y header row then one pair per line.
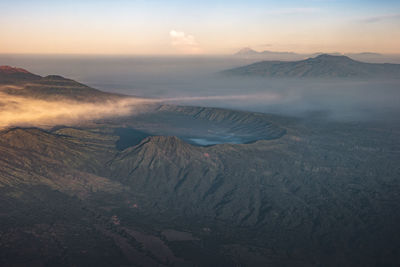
x,y
183,55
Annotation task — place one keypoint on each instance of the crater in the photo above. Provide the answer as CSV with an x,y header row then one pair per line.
x,y
198,126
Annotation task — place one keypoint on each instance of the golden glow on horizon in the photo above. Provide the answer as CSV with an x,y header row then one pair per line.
x,y
151,31
166,44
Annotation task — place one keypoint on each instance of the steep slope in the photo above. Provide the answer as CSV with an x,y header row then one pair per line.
x,y
322,66
36,157
165,163
11,75
189,179
20,82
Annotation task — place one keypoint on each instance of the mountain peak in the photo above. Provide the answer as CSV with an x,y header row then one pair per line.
x,y
162,146
246,51
332,57
54,77
5,69
13,74
165,142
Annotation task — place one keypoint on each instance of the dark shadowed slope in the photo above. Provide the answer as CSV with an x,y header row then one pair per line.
x,y
20,82
11,75
323,66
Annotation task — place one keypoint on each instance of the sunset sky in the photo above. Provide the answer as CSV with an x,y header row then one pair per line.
x,y
156,27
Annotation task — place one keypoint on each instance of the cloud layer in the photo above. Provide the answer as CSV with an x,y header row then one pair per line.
x,y
21,111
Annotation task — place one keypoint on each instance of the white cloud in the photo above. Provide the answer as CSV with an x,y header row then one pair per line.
x,y
184,42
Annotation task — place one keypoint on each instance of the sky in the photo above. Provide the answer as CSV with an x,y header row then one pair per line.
x,y
178,27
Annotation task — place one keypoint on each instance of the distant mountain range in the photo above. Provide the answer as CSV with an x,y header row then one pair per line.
x,y
270,55
322,66
249,53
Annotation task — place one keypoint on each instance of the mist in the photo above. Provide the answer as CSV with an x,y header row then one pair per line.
x,y
339,99
23,111
196,81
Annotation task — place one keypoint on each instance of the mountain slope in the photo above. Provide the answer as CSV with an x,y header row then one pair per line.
x,y
20,82
11,75
322,66
288,191
36,157
283,200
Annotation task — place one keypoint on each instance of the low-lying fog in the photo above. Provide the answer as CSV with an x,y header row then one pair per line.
x,y
337,99
22,111
195,81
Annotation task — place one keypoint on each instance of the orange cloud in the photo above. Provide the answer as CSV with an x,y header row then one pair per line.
x,y
185,43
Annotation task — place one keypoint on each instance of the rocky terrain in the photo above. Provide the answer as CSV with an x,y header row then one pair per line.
x,y
141,190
